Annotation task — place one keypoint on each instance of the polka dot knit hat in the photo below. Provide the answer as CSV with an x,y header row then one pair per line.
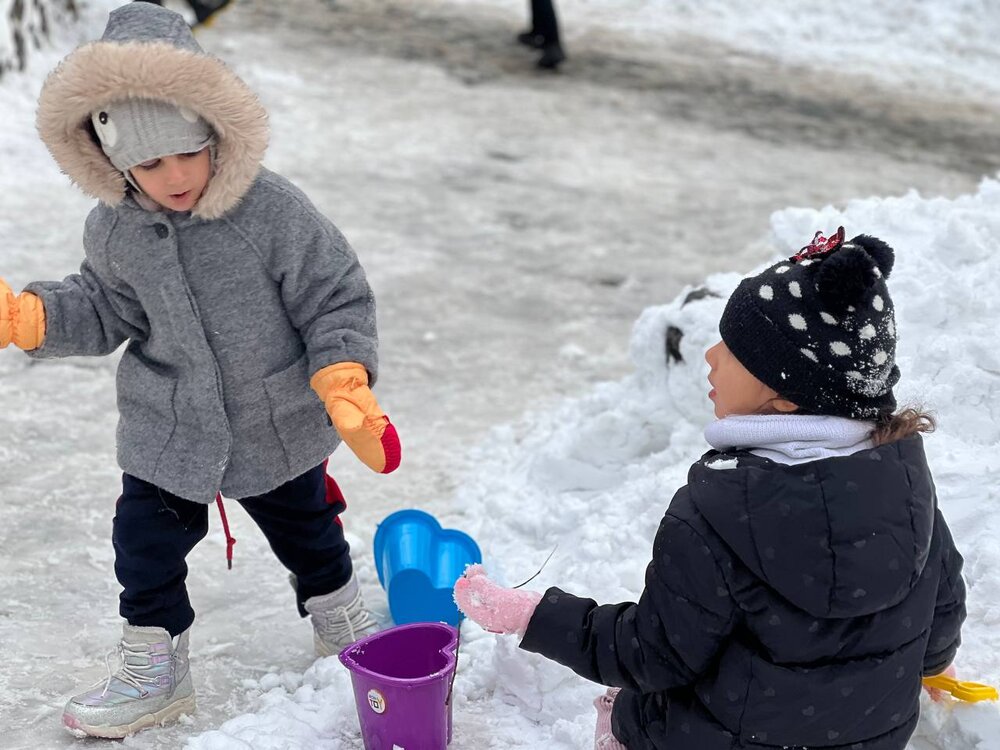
x,y
818,328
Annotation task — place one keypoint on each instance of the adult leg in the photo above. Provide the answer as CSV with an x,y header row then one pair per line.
x,y
531,37
546,28
204,10
543,20
153,533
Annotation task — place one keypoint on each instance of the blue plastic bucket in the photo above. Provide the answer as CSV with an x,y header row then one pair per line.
x,y
418,563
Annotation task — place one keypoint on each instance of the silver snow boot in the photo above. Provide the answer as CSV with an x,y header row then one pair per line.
x,y
339,618
152,686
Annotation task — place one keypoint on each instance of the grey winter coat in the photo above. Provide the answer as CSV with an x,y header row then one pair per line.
x,y
228,309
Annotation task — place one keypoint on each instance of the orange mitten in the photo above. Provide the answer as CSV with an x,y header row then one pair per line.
x,y
22,319
355,413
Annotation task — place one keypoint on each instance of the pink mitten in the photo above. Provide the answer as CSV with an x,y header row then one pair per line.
x,y
604,738
497,609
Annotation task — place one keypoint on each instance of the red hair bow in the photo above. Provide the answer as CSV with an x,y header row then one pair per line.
x,y
820,245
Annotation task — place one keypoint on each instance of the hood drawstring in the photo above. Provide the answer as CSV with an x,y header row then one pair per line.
x,y
230,540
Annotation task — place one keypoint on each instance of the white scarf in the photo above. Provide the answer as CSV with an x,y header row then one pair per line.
x,y
791,438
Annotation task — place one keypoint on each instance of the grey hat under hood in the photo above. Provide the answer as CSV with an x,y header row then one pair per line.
x,y
134,131
148,54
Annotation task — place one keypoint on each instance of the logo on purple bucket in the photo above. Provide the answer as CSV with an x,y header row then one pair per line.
x,y
377,701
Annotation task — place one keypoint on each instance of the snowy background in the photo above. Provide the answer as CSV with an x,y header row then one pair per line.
x,y
516,228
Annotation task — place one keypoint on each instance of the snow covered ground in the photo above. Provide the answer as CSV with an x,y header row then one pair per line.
x,y
945,44
514,226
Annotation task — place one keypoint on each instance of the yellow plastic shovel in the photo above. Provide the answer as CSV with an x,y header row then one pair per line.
x,y
973,692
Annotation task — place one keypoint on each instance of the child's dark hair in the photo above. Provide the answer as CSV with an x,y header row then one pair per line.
x,y
890,427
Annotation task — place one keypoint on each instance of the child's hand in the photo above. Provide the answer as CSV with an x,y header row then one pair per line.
x,y
497,609
355,413
22,319
937,694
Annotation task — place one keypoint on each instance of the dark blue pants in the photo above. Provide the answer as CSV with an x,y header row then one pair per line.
x,y
154,531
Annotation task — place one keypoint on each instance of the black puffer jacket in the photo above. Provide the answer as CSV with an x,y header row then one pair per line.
x,y
785,606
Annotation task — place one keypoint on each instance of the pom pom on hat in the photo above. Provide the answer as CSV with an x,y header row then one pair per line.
x,y
881,253
844,278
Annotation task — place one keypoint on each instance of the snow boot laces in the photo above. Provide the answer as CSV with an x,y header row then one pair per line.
x,y
339,618
152,686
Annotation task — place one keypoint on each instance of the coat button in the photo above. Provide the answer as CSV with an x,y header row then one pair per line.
x,y
161,231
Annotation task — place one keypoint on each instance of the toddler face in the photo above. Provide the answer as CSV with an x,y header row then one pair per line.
x,y
177,181
736,391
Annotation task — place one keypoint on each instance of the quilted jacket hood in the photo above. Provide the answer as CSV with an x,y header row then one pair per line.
x,y
815,531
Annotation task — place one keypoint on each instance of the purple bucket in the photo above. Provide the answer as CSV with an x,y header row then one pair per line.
x,y
402,685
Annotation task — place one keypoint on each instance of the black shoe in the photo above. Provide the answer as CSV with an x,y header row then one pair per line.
x,y
552,55
531,39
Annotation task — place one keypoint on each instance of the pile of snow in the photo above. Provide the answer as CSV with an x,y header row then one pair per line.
x,y
593,477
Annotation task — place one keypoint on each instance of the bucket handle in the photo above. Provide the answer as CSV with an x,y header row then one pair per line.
x,y
458,638
451,683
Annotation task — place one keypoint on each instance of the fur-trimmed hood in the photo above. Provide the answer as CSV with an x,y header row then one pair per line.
x,y
149,52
